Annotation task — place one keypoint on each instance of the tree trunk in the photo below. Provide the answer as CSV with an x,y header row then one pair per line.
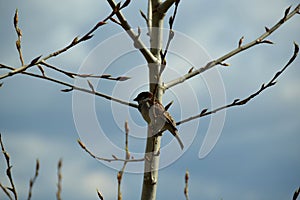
x,y
151,165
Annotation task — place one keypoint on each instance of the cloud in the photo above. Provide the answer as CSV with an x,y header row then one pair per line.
x,y
81,177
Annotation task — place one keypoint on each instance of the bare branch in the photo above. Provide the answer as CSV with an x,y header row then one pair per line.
x,y
144,17
239,102
137,42
115,158
38,60
72,87
127,157
165,6
100,195
32,181
74,42
85,37
125,4
91,86
170,38
296,194
6,191
239,49
72,74
12,187
115,21
21,69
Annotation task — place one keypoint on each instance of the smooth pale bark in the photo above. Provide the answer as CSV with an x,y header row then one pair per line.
x,y
152,156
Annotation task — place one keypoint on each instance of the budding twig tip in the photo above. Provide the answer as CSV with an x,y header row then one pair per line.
x,y
241,41
267,29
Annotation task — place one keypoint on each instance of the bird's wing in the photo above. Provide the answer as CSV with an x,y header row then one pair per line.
x,y
167,122
170,119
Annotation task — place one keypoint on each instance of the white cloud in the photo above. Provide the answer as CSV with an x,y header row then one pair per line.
x,y
291,93
80,177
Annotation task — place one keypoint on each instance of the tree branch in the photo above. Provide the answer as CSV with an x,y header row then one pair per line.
x,y
100,195
170,38
38,59
12,187
127,157
32,181
165,6
296,193
41,61
21,69
115,158
73,87
136,40
5,190
73,75
239,49
239,102
77,40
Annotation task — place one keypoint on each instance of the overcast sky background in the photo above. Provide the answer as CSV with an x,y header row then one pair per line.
x,y
257,155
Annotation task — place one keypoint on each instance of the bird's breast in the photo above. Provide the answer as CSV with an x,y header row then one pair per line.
x,y
144,110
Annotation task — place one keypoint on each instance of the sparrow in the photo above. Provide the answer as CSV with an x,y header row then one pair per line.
x,y
155,114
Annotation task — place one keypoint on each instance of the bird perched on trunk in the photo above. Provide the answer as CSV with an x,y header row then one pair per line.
x,y
155,115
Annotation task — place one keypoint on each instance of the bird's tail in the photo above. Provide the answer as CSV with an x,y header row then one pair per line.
x,y
176,135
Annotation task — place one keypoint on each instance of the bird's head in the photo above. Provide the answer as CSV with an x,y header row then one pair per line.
x,y
143,96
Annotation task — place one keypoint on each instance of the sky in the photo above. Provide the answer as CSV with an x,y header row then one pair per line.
x,y
256,155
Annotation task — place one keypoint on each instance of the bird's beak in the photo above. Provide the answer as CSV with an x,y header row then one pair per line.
x,y
135,99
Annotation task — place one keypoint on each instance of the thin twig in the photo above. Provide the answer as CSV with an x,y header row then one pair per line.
x,y
113,159
170,38
100,195
296,194
36,61
6,191
12,187
77,40
32,181
239,102
239,49
186,188
146,20
73,75
59,181
127,157
21,69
